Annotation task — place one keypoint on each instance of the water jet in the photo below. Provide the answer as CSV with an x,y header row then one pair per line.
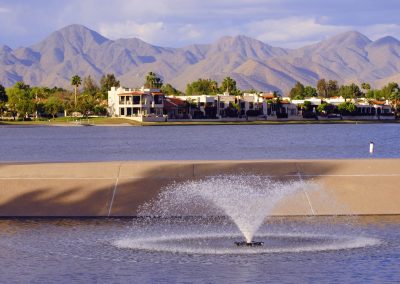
x,y
207,216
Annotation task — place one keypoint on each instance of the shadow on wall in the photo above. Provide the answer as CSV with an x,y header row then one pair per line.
x,y
77,191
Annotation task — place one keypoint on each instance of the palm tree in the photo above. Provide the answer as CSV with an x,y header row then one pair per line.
x,y
153,81
76,81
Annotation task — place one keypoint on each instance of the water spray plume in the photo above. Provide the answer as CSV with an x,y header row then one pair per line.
x,y
246,200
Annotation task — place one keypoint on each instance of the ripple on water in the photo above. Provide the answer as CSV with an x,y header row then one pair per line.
x,y
224,243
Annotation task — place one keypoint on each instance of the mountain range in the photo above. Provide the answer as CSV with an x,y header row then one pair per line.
x,y
75,49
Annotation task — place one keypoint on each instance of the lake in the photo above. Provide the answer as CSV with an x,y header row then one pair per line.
x,y
215,142
343,250
199,250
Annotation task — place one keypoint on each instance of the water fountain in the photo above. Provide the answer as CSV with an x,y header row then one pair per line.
x,y
245,200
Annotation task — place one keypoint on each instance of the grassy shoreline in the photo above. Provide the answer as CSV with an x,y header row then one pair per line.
x,y
107,121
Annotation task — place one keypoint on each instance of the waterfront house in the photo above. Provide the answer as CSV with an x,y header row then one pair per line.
x,y
374,108
176,108
138,104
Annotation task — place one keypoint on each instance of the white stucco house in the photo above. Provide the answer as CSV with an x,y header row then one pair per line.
x,y
137,104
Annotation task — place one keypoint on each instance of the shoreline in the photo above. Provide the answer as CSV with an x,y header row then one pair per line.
x,y
128,123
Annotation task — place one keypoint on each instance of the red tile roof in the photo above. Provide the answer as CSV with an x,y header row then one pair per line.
x,y
268,96
378,103
173,102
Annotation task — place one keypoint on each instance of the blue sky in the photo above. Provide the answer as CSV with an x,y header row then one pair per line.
x,y
286,23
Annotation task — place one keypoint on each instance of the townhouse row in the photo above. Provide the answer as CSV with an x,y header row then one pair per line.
x,y
152,105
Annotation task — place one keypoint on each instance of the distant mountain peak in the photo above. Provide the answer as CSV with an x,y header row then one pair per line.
x,y
246,47
351,37
5,48
81,32
387,40
239,39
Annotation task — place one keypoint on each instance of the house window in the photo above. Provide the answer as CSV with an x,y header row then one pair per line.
x,y
157,99
122,111
136,100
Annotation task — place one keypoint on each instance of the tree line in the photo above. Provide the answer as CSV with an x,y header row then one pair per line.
x,y
331,88
25,101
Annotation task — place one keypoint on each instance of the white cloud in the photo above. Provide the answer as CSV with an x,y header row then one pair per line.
x,y
293,31
381,30
149,31
4,10
287,23
190,32
154,32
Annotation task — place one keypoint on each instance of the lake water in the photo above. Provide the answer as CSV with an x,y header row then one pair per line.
x,y
341,250
199,250
230,142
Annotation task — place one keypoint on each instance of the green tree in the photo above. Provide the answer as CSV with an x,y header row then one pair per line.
x,y
68,101
202,87
3,94
40,93
322,88
169,90
297,92
395,99
3,100
307,106
310,92
153,81
388,90
20,100
347,108
332,88
90,86
106,82
373,94
86,104
227,85
351,91
366,87
326,108
76,81
53,105
22,86
322,108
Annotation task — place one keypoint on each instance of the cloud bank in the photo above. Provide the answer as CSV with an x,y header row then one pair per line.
x,y
286,23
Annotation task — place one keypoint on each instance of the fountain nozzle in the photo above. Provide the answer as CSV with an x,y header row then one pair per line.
x,y
249,244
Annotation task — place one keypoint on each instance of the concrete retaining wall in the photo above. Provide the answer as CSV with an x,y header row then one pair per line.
x,y
117,188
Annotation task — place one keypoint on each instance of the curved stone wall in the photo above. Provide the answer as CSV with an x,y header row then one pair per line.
x,y
370,186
